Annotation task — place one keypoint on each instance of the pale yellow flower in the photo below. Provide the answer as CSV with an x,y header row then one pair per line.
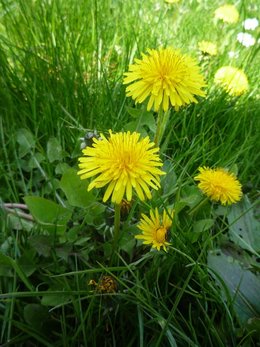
x,y
166,77
155,229
227,13
219,185
171,1
208,47
233,80
123,163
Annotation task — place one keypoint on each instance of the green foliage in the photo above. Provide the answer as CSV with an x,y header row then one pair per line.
x,y
51,216
62,65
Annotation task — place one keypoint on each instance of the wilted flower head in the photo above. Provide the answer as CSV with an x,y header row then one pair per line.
x,y
246,39
207,47
233,80
123,163
227,13
166,77
154,229
107,284
219,185
250,24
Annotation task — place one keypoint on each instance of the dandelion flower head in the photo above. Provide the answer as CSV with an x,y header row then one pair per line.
x,y
166,77
227,13
208,47
171,1
123,163
155,229
233,80
219,185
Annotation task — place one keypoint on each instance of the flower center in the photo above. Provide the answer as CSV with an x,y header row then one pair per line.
x,y
126,161
160,235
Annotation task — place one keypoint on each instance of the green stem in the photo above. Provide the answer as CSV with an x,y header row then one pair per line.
x,y
162,121
117,222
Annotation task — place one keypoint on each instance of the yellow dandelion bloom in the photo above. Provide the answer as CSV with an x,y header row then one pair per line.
x,y
154,229
207,47
219,185
233,80
227,13
167,77
171,1
123,163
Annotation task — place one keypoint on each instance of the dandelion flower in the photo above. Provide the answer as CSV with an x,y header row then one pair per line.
x,y
227,13
123,163
250,24
167,77
246,39
233,80
171,1
219,185
155,229
207,47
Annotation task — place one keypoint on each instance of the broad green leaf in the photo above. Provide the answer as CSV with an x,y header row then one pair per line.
x,y
41,243
54,150
54,297
243,285
61,168
25,140
244,229
36,315
146,119
202,225
127,241
168,182
27,262
190,195
18,223
51,216
35,160
75,189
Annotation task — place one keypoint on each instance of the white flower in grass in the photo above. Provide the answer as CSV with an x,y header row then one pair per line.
x,y
246,39
233,54
250,24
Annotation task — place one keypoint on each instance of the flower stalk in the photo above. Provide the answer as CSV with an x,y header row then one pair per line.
x,y
116,224
162,121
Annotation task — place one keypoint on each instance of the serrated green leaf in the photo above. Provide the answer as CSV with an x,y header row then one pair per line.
x,y
75,189
51,216
54,150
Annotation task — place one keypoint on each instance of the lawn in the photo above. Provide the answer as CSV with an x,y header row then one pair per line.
x,y
129,198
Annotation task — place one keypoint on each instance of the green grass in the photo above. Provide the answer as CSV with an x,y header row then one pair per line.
x,y
61,73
